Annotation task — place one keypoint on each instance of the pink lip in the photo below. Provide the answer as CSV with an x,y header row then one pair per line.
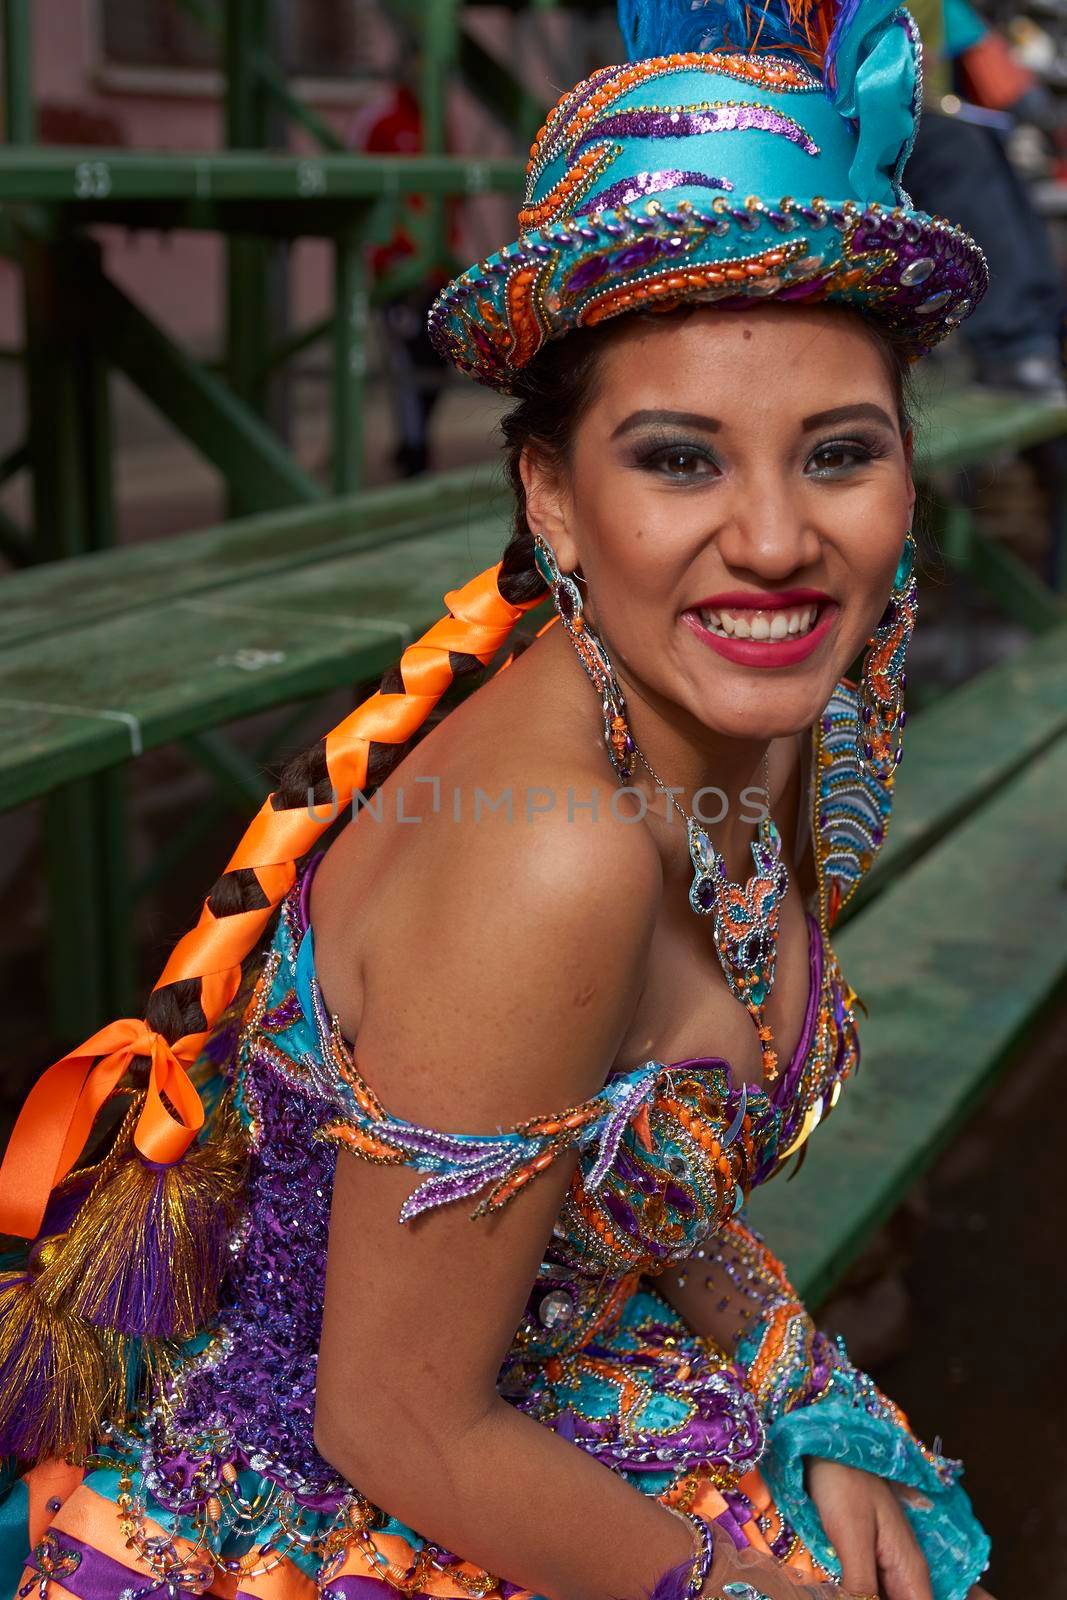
x,y
764,652
746,600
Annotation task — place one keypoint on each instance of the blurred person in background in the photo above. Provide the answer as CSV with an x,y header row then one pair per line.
x,y
960,168
392,125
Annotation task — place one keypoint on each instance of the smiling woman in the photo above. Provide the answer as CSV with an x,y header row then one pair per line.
x,y
226,1367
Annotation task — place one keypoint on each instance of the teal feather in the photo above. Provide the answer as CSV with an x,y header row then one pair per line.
x,y
810,29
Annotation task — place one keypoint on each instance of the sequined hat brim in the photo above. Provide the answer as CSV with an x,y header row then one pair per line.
x,y
915,275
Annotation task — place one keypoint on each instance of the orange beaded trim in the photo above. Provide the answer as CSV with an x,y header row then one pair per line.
x,y
625,78
562,199
769,72
523,294
673,282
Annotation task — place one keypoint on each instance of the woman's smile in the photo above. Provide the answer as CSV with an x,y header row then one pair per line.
x,y
763,630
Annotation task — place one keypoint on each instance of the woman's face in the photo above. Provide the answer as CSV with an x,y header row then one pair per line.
x,y
736,500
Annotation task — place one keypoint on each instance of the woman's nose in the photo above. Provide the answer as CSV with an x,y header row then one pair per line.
x,y
771,539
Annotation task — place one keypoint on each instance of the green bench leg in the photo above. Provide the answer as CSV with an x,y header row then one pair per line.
x,y
1021,594
1050,459
69,439
91,976
20,115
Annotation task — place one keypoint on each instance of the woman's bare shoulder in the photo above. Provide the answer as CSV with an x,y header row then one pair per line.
x,y
511,950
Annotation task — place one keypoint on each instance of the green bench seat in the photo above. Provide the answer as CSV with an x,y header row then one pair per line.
x,y
134,649
55,596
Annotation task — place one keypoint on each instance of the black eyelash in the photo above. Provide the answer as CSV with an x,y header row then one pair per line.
x,y
651,454
869,448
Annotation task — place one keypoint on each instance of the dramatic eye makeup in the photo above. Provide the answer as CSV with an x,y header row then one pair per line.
x,y
678,460
662,443
837,458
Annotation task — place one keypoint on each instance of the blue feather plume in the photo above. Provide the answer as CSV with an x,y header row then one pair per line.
x,y
811,29
661,27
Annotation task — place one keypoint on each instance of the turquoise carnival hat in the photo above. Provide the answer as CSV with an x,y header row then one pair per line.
x,y
741,153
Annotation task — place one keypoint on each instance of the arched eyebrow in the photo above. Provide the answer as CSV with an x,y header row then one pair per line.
x,y
676,419
867,412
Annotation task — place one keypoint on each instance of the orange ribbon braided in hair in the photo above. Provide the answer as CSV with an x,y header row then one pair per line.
x,y
58,1115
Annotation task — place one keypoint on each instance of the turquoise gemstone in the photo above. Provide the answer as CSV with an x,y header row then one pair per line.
x,y
542,565
758,992
903,572
739,1199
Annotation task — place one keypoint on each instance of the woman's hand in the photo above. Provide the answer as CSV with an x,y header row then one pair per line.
x,y
866,1525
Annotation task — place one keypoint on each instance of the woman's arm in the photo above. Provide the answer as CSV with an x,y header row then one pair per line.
x,y
842,1462
408,1408
514,1007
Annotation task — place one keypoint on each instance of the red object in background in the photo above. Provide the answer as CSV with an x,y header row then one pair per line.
x,y
388,128
395,129
990,74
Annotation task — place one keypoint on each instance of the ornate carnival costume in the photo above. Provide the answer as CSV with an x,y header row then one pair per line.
x,y
158,1337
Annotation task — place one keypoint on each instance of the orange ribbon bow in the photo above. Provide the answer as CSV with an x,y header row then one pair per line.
x,y
57,1118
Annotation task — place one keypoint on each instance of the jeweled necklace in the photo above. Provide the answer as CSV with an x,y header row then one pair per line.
x,y
745,928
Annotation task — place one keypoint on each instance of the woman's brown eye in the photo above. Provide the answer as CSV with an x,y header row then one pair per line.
x,y
683,463
834,458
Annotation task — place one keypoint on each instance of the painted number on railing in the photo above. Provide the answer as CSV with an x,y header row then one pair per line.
x,y
92,180
311,178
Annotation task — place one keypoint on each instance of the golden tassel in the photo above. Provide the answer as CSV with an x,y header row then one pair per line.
x,y
146,1253
58,1377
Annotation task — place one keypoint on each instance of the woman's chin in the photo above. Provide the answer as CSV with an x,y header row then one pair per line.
x,y
733,706
756,692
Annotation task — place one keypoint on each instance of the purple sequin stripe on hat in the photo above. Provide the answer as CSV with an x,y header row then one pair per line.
x,y
639,123
626,190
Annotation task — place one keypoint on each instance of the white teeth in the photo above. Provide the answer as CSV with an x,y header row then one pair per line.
x,y
781,623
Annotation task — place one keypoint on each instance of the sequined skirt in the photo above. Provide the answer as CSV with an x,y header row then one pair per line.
x,y
149,1517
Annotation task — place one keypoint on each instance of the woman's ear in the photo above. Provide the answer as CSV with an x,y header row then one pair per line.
x,y
547,504
909,462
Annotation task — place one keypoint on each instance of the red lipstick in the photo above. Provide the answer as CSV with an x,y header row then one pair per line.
x,y
749,599
765,652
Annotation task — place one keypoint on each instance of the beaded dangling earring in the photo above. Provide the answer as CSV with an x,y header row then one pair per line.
x,y
882,685
594,658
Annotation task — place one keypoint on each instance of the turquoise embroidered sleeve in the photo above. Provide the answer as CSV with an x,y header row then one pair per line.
x,y
839,1428
814,1403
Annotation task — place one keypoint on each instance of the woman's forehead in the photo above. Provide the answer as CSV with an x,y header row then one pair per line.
x,y
739,361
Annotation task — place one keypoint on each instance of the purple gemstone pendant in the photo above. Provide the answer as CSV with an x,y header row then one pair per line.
x,y
745,928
